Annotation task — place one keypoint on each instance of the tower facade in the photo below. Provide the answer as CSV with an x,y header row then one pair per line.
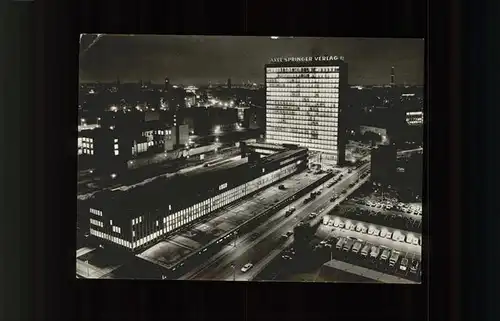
x,y
305,99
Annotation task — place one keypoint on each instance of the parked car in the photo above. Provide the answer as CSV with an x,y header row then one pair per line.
x,y
414,266
348,245
340,243
404,264
375,250
394,258
356,247
365,250
385,255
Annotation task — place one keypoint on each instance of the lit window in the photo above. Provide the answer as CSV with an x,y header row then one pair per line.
x,y
116,140
116,146
91,152
117,153
110,222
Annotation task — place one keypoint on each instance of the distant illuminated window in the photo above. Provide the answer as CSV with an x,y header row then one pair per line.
x,y
116,140
117,153
116,146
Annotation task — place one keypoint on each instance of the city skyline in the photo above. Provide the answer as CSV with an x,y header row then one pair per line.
x,y
203,59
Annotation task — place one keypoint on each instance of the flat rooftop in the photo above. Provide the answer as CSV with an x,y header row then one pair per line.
x,y
97,263
342,268
144,196
176,248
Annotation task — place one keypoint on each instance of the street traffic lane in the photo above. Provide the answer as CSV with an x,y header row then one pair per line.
x,y
272,239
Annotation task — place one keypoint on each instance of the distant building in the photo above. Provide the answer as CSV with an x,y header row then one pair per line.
x,y
167,86
109,149
254,118
383,164
183,137
393,77
409,177
241,113
121,138
305,101
137,218
229,83
190,100
415,118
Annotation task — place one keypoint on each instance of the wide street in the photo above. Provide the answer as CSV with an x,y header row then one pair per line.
x,y
266,241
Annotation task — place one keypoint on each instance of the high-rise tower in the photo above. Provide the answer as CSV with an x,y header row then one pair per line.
x,y
305,99
393,77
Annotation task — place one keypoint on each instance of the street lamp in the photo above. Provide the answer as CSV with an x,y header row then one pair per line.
x,y
233,266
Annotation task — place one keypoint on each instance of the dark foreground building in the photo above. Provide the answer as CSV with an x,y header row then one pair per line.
x,y
383,164
140,216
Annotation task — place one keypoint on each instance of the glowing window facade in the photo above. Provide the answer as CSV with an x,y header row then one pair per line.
x,y
302,107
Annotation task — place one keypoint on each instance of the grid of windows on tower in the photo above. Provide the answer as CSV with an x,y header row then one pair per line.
x,y
85,146
303,106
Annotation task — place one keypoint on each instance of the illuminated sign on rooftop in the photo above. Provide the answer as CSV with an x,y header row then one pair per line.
x,y
306,59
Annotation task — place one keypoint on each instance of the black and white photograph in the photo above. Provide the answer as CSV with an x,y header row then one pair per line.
x,y
257,159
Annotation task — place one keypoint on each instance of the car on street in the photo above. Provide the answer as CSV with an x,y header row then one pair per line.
x,y
281,187
287,234
286,257
246,267
313,215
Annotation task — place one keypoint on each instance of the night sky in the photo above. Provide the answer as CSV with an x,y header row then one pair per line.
x,y
199,59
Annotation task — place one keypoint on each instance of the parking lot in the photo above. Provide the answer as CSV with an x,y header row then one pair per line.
x,y
380,217
386,237
374,253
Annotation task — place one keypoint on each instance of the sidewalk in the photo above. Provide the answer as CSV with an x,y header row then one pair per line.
x,y
367,273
